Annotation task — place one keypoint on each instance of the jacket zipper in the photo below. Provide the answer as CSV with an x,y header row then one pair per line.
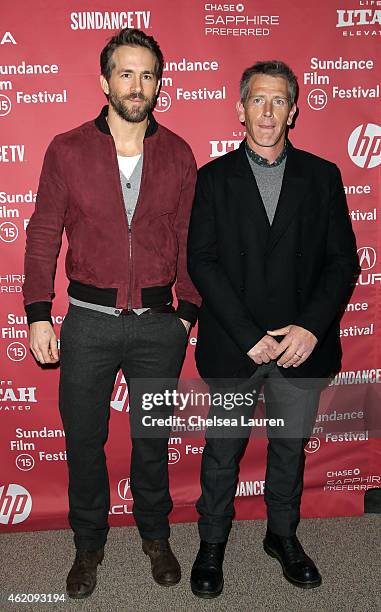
x,y
129,303
121,199
129,226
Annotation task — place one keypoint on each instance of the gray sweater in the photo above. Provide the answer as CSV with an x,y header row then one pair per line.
x,y
269,179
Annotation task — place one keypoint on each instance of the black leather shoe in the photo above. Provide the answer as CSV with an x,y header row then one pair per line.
x,y
82,578
207,579
297,567
164,565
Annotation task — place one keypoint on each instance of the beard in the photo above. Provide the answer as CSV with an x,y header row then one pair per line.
x,y
133,115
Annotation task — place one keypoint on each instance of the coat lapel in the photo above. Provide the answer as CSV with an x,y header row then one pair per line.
x,y
247,199
293,190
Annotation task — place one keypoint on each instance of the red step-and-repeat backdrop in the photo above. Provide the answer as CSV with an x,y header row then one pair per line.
x,y
49,67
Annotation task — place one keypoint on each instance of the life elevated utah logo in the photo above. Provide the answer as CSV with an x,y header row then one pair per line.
x,y
16,399
364,145
221,147
362,21
15,504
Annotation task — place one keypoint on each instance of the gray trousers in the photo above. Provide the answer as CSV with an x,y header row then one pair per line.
x,y
285,456
149,349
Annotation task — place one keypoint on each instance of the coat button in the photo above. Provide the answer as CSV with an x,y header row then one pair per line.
x,y
117,312
128,185
242,253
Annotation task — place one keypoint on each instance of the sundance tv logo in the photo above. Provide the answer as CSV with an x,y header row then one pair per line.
x,y
15,504
364,145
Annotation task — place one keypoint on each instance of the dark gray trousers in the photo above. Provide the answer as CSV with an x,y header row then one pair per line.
x,y
285,456
94,346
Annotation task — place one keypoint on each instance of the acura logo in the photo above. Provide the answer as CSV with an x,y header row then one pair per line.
x,y
124,489
367,257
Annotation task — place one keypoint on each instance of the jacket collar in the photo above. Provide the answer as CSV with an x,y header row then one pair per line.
x,y
242,166
262,161
102,124
247,194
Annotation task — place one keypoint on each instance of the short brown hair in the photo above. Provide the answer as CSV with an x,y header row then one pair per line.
x,y
133,38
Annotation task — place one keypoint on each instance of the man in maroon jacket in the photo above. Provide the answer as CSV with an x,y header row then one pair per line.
x,y
122,187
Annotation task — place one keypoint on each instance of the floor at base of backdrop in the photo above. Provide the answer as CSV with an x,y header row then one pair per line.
x,y
346,550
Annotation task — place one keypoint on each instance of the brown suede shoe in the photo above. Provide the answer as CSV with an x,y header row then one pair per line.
x,y
164,565
82,578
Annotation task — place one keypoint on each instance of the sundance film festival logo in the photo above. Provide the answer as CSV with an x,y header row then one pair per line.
x,y
367,257
8,231
5,105
173,456
15,504
164,102
16,351
313,445
364,145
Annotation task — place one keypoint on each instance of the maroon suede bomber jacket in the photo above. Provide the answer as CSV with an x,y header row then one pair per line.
x,y
107,263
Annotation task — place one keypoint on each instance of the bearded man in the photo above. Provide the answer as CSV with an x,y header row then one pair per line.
x,y
122,188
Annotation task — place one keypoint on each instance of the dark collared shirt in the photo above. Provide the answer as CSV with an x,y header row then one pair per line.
x,y
262,161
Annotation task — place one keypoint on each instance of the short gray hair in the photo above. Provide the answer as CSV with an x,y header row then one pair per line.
x,y
274,68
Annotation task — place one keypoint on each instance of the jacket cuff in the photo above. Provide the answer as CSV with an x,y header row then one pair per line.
x,y
39,311
248,345
316,330
187,310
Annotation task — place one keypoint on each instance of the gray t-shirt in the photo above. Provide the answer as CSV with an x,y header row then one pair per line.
x,y
131,188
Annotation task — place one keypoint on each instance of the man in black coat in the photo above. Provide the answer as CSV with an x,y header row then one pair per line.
x,y
272,252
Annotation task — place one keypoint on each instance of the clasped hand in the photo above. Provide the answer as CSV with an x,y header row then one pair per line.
x,y
296,346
